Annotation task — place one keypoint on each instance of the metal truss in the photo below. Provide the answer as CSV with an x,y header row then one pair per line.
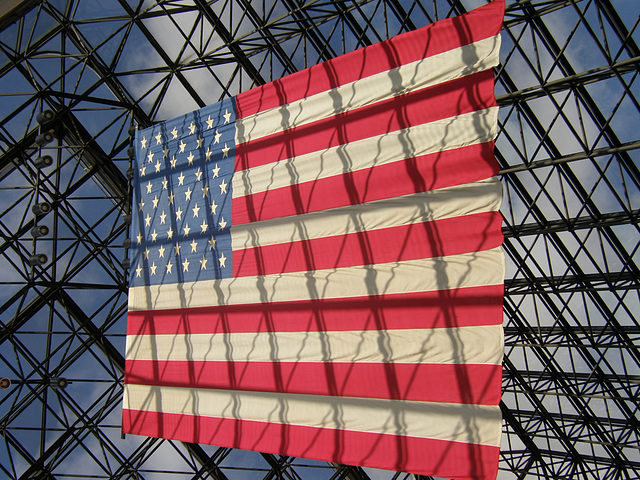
x,y
569,149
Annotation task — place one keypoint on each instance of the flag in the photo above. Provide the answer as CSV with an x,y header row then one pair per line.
x,y
316,263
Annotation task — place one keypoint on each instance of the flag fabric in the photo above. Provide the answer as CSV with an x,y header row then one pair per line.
x,y
316,263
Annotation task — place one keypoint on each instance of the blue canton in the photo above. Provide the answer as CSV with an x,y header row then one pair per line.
x,y
182,198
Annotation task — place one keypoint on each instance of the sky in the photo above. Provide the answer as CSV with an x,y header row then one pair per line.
x,y
109,125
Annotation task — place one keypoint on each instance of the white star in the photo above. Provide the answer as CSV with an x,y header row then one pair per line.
x,y
223,187
155,201
142,170
227,115
185,265
192,129
141,204
209,122
217,137
146,254
222,223
195,209
208,154
143,142
187,194
179,214
153,268
225,151
181,179
205,191
204,226
163,218
198,174
186,229
177,247
169,233
194,246
169,266
174,132
200,140
182,145
158,166
139,271
165,182
139,238
173,161
223,260
190,158
213,207
159,138
165,152
161,251
212,243
150,157
154,235
216,171
171,195
147,221
149,186
203,263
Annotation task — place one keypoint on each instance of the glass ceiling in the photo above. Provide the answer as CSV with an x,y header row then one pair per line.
x,y
569,152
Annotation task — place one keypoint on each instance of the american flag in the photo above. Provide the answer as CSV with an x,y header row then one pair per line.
x,y
316,263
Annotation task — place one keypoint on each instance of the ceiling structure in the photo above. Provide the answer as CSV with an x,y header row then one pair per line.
x,y
568,147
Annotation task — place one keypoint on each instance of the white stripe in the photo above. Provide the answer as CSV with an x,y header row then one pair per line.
x,y
472,344
422,73
480,424
445,134
455,271
470,198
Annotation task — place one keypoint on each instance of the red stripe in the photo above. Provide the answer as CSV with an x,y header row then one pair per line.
x,y
449,236
447,308
445,100
483,22
414,175
462,383
426,456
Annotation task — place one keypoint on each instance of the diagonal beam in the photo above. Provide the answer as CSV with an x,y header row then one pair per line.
x,y
94,333
224,34
44,297
175,70
13,10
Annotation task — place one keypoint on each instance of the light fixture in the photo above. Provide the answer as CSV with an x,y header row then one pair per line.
x,y
58,382
43,161
38,259
41,208
44,117
39,231
44,138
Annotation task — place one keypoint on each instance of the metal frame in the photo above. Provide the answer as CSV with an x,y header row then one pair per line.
x,y
569,149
